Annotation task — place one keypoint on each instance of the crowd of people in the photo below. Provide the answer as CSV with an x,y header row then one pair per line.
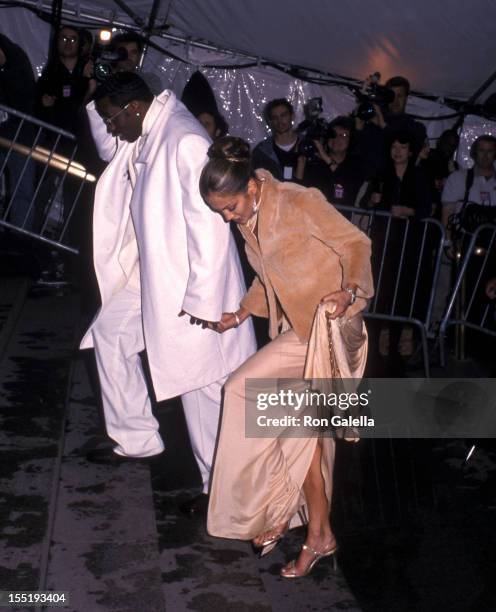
x,y
171,282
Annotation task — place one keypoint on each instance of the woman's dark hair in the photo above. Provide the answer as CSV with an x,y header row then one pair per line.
x,y
406,194
123,87
229,167
403,137
220,123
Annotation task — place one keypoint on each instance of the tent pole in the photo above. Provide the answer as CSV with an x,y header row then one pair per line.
x,y
151,23
130,13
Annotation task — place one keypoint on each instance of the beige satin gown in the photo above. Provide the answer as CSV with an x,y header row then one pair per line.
x,y
257,483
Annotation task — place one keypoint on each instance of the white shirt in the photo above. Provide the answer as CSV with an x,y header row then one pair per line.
x,y
483,190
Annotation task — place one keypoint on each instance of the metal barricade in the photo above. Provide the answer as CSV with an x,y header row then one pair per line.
x,y
468,305
41,182
406,259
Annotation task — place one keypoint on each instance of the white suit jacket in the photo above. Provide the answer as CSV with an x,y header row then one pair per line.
x,y
187,256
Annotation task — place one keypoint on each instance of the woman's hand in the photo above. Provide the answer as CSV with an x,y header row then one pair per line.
x,y
338,302
230,320
227,321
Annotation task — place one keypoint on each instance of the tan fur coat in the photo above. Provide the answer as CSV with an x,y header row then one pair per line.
x,y
305,250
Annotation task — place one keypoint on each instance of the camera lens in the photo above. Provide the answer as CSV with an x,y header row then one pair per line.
x,y
365,111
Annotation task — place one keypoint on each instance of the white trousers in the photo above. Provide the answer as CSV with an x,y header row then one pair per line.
x,y
118,340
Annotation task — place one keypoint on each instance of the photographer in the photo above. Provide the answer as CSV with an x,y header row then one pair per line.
x,y
475,186
382,114
278,153
397,120
130,46
332,169
123,54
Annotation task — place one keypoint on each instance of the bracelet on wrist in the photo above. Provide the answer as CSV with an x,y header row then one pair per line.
x,y
352,293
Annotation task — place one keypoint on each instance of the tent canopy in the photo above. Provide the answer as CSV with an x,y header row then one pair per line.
x,y
444,48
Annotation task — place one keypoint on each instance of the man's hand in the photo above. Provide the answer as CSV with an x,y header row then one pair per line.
x,y
338,302
196,321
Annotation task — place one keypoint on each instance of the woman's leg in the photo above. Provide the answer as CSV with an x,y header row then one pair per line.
x,y
319,534
256,481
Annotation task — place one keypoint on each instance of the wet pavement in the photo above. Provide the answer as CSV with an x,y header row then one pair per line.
x,y
415,526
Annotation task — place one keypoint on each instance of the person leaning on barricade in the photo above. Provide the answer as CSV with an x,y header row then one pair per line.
x,y
469,196
403,190
307,257
469,201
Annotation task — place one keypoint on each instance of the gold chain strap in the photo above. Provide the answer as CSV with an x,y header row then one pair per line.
x,y
332,357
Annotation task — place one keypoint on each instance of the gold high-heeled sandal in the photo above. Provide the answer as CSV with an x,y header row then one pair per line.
x,y
268,545
289,571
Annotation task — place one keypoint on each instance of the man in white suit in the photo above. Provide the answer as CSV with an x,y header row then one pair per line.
x,y
159,252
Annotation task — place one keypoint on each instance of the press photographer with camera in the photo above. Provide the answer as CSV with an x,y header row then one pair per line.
x,y
466,192
123,54
328,164
381,114
278,153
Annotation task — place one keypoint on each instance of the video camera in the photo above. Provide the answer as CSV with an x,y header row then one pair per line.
x,y
314,127
373,94
104,60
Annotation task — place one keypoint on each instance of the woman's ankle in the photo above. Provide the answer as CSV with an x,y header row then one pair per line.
x,y
320,533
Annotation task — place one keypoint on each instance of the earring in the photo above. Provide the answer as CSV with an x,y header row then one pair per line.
x,y
138,115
